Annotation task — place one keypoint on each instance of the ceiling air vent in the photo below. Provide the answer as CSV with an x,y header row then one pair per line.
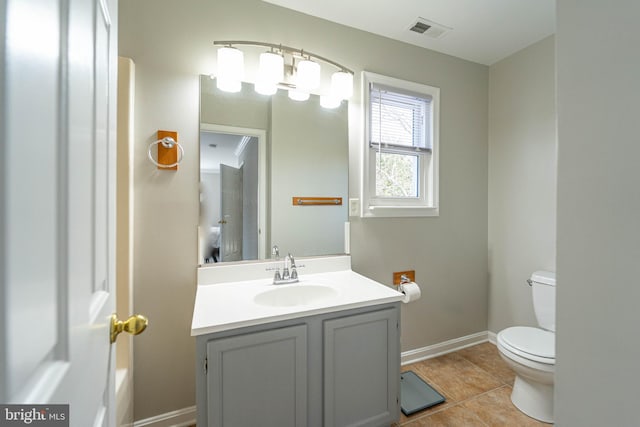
x,y
429,28
420,27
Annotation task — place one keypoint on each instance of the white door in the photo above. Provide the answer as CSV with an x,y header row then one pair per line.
x,y
57,224
230,213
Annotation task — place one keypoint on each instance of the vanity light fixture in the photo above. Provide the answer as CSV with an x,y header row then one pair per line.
x,y
342,84
270,73
307,75
328,101
230,69
284,67
298,95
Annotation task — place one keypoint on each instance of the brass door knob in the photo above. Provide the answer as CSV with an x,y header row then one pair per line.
x,y
133,325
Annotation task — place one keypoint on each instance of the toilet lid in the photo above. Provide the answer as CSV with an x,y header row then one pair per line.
x,y
535,343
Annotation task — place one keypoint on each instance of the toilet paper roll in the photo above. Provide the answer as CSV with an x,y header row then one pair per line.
x,y
411,292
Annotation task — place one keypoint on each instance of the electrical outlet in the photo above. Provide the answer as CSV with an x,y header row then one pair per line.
x,y
354,207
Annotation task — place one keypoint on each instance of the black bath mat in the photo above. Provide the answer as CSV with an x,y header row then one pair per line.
x,y
416,394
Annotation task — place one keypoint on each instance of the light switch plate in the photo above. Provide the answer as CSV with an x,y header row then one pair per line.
x,y
354,207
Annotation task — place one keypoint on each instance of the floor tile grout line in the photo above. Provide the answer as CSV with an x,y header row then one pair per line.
x,y
436,386
483,370
456,404
495,377
502,384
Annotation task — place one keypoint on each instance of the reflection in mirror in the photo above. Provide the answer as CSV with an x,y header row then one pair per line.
x,y
229,202
300,149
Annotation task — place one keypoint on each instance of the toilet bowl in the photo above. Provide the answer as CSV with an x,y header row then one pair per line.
x,y
530,352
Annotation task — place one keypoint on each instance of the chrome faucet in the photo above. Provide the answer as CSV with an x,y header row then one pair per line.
x,y
289,269
275,253
285,270
294,270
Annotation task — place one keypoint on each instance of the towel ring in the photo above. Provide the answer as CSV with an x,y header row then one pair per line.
x,y
167,142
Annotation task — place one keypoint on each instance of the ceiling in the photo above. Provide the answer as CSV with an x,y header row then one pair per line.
x,y
216,148
482,31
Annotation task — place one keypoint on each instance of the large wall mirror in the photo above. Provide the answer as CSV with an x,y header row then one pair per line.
x,y
256,154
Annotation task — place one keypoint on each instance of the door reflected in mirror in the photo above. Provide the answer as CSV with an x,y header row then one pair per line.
x,y
290,149
229,202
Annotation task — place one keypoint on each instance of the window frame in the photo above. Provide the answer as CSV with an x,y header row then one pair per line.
x,y
426,204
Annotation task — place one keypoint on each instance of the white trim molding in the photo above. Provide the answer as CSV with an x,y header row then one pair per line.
x,y
428,352
181,418
427,204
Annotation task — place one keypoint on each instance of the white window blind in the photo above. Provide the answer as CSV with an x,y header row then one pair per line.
x,y
399,119
401,148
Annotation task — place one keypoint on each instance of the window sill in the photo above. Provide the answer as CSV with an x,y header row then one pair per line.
x,y
400,211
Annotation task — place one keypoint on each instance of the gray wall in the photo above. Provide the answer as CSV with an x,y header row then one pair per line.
x,y
522,180
246,109
598,214
309,158
449,253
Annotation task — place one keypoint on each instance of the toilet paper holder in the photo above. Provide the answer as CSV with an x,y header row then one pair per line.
x,y
402,277
406,283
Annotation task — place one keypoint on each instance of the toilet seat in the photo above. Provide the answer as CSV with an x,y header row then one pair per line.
x,y
530,343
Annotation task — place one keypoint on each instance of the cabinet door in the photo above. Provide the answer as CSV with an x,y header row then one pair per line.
x,y
361,369
258,379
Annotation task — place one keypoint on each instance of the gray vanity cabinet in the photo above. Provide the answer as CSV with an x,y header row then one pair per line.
x,y
258,376
329,370
360,372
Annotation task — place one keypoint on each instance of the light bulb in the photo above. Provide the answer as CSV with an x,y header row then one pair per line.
x,y
230,69
307,75
229,85
297,95
271,69
330,101
342,85
265,88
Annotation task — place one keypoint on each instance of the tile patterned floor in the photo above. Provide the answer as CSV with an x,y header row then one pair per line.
x,y
477,385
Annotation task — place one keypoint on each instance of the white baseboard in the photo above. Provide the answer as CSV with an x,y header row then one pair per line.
x,y
124,398
418,354
180,418
492,337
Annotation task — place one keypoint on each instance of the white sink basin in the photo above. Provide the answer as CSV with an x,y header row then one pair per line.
x,y
294,295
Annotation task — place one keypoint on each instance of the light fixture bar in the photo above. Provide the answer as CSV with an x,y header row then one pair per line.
x,y
287,49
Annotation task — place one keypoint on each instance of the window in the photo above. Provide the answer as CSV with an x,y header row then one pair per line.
x,y
400,167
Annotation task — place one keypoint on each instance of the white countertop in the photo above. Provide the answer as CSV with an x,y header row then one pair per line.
x,y
230,305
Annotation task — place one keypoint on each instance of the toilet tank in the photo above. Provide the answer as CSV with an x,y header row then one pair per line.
x,y
543,288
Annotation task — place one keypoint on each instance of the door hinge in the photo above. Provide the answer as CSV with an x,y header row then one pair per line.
x,y
206,366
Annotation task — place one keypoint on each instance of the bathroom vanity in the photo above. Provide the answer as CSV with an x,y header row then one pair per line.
x,y
321,352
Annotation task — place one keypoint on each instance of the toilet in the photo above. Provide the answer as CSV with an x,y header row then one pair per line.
x,y
530,352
